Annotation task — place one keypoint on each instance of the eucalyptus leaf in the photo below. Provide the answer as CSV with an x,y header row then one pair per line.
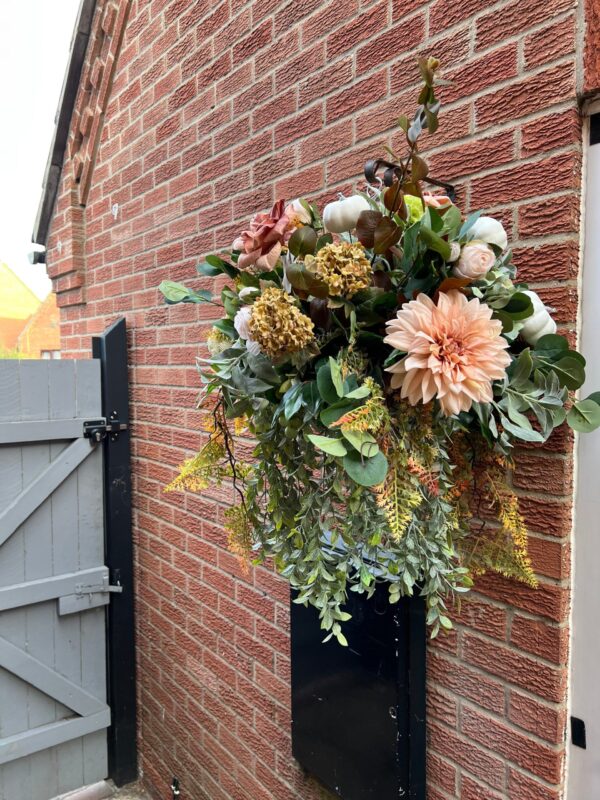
x,y
363,442
333,447
178,293
366,471
584,416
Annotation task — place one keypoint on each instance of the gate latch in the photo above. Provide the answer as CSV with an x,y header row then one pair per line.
x,y
99,429
88,595
105,587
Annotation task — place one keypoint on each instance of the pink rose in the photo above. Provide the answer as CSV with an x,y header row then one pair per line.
x,y
476,260
260,246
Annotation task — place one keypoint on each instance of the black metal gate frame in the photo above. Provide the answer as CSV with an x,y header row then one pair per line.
x,y
111,349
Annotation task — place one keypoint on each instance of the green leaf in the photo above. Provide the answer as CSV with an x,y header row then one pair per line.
x,y
305,281
325,384
330,415
521,370
333,447
584,416
525,434
336,376
177,293
208,269
595,396
363,442
303,241
222,265
435,242
366,471
358,394
570,372
519,306
551,344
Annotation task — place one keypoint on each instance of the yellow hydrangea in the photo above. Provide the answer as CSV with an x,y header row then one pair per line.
x,y
278,325
344,267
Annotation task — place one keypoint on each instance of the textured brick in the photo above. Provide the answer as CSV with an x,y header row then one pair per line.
x,y
548,87
209,112
528,754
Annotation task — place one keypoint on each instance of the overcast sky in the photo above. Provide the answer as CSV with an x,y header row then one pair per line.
x,y
34,48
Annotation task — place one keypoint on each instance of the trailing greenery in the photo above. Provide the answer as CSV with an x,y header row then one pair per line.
x,y
384,361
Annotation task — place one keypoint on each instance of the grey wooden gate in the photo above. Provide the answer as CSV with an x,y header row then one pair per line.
x,y
53,582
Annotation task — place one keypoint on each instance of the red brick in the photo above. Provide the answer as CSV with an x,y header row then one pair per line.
x,y
537,758
208,112
516,17
548,87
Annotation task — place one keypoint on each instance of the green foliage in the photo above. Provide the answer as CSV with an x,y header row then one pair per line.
x,y
349,485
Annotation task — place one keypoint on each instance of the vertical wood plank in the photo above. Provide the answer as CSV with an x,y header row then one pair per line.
x,y
64,534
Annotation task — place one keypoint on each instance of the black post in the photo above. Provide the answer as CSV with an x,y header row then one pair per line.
x,y
358,712
111,348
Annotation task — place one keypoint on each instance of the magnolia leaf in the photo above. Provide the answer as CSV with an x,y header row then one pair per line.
x,y
450,284
420,169
333,447
431,120
365,227
305,281
393,198
363,442
323,240
584,416
403,122
386,235
303,241
177,293
366,471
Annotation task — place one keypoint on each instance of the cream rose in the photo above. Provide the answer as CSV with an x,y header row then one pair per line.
x,y
476,259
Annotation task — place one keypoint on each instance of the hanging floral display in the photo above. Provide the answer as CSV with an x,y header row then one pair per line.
x,y
384,360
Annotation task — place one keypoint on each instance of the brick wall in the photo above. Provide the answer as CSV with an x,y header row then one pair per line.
x,y
190,116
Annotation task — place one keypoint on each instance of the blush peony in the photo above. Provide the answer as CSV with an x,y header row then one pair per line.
x,y
454,351
260,246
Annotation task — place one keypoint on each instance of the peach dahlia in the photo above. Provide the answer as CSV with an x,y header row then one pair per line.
x,y
454,350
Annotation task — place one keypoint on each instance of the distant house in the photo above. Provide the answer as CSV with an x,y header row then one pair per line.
x,y
40,338
17,304
28,327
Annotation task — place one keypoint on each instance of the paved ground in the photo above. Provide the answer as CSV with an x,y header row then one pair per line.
x,y
133,792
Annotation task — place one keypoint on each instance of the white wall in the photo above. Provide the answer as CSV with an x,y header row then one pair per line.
x,y
584,765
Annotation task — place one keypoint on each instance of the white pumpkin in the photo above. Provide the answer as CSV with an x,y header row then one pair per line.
x,y
489,230
342,215
539,323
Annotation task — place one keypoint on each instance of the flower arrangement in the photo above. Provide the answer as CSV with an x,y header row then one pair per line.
x,y
385,361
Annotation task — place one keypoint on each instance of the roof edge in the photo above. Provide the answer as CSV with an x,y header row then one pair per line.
x,y
62,121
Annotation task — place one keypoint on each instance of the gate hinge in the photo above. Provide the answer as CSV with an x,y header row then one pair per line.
x,y
99,429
